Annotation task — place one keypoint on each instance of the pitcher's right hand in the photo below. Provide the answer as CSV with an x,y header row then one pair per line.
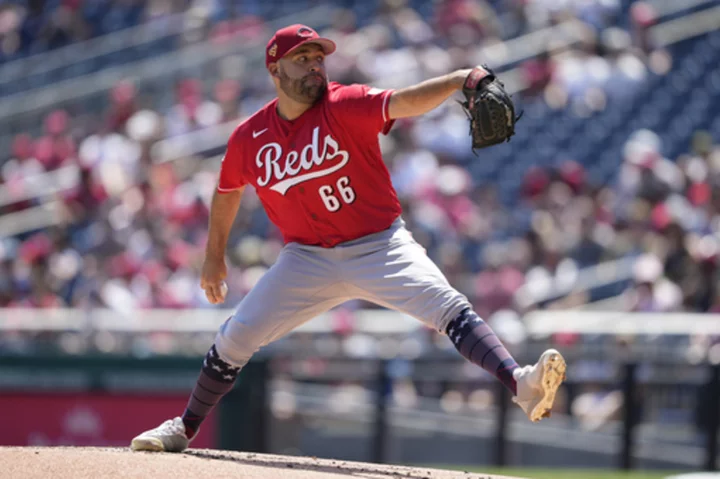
x,y
212,279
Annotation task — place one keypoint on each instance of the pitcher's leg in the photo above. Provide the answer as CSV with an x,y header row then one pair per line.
x,y
298,287
295,289
533,386
404,278
401,276
240,337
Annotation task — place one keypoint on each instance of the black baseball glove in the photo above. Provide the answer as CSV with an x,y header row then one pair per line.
x,y
489,108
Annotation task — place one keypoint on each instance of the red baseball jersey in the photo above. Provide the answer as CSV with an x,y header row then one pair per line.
x,y
321,177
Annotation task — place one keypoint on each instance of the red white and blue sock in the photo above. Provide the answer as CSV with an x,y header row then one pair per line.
x,y
477,343
216,379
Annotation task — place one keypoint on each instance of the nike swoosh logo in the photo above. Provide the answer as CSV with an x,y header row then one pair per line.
x,y
258,133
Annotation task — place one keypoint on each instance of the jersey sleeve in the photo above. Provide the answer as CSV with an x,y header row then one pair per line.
x,y
367,107
232,168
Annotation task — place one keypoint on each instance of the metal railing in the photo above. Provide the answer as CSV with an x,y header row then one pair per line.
x,y
541,324
627,439
88,49
689,26
535,292
31,219
18,76
183,320
41,185
666,8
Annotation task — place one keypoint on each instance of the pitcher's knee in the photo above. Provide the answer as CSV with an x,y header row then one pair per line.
x,y
236,342
436,306
451,312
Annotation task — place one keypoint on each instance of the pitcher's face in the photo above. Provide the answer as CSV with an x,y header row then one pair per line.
x,y
301,74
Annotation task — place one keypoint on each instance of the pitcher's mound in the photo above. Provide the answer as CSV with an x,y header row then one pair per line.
x,y
94,462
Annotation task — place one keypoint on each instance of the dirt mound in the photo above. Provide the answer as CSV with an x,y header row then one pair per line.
x,y
95,462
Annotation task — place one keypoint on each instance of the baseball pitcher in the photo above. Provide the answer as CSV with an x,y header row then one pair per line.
x,y
313,156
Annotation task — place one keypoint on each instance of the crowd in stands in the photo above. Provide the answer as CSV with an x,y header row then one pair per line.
x,y
133,230
37,26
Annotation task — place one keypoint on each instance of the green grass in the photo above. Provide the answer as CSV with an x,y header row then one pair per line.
x,y
532,473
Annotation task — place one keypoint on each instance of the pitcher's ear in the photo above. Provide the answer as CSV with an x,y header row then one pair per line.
x,y
273,69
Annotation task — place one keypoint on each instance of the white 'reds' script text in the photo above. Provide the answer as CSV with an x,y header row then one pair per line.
x,y
289,174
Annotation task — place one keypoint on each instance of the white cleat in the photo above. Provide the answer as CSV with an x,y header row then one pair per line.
x,y
538,384
167,437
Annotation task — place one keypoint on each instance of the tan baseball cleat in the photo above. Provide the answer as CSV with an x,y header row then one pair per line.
x,y
167,437
537,384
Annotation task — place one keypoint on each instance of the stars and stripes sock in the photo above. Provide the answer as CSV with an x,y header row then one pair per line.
x,y
478,343
216,379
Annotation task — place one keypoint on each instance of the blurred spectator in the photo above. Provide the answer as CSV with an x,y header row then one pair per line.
x,y
193,112
642,17
57,147
122,105
651,291
588,251
466,22
596,406
537,73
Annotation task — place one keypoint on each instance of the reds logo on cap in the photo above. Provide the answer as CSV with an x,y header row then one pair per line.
x,y
289,38
305,32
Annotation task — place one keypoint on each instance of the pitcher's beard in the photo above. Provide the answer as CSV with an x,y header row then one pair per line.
x,y
305,90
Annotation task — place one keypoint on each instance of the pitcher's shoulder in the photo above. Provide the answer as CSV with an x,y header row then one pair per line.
x,y
255,122
338,92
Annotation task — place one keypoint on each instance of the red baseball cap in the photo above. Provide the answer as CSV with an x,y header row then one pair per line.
x,y
289,38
